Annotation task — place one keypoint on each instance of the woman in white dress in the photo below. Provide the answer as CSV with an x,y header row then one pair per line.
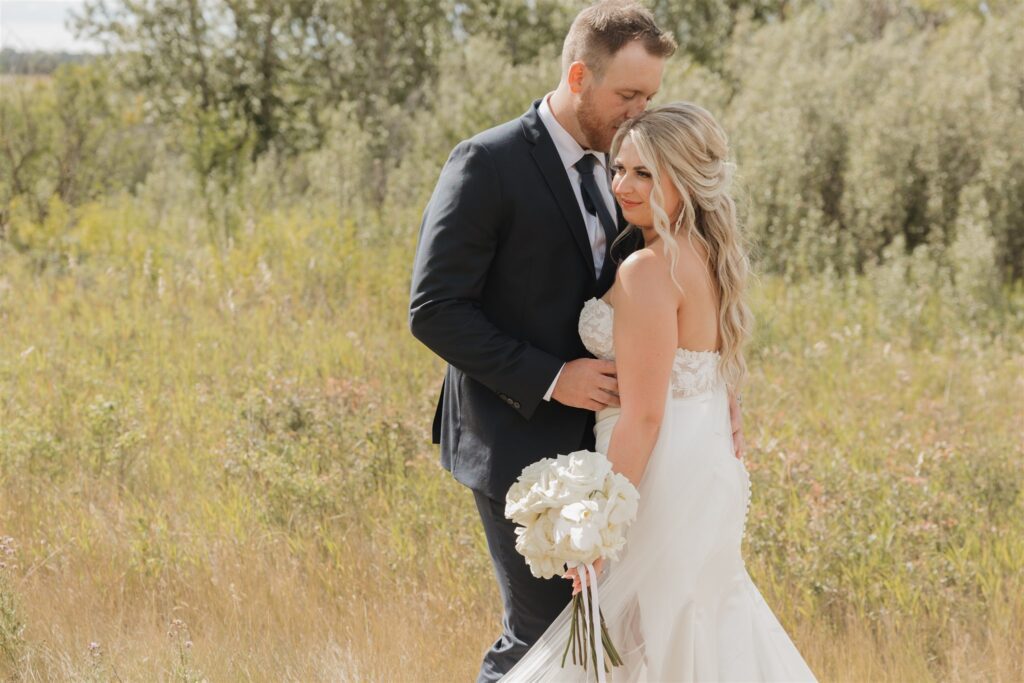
x,y
679,603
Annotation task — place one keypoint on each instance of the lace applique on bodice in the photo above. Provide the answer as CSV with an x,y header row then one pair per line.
x,y
693,372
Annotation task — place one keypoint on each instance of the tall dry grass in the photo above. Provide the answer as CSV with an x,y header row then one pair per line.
x,y
215,464
214,449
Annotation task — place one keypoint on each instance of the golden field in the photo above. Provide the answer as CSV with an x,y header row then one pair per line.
x,y
214,424
237,438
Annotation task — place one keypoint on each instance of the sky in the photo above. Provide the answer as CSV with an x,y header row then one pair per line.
x,y
39,25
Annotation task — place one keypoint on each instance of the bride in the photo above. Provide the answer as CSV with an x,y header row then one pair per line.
x,y
679,603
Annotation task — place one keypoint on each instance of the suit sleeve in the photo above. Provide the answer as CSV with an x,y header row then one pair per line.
x,y
458,241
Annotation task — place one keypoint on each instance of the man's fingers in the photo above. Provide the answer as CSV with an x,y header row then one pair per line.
x,y
606,367
602,399
609,384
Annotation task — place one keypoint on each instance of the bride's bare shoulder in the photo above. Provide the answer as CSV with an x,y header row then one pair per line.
x,y
642,262
644,273
690,265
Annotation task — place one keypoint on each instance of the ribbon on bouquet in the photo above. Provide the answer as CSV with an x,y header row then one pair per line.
x,y
595,624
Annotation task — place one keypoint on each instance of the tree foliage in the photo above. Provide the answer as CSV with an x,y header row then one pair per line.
x,y
37,61
860,128
252,75
72,137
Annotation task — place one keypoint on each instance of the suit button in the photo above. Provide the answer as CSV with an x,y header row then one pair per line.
x,y
509,401
515,404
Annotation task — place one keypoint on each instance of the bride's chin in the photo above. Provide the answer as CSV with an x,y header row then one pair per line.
x,y
630,218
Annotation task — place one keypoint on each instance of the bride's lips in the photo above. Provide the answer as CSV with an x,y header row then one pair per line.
x,y
626,204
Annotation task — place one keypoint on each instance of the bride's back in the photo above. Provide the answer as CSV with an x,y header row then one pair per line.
x,y
697,314
697,325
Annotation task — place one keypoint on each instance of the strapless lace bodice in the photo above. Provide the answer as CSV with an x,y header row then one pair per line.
x,y
693,372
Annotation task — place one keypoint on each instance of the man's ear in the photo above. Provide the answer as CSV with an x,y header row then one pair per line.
x,y
577,75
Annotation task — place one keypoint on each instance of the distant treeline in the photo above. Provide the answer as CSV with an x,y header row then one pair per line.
x,y
37,61
860,127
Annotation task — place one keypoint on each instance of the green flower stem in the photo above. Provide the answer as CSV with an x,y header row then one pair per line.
x,y
579,631
572,634
613,654
582,635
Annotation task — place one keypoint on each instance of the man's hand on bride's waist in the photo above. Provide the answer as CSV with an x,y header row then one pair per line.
x,y
588,383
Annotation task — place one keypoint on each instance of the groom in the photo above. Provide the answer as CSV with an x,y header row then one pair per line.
x,y
515,239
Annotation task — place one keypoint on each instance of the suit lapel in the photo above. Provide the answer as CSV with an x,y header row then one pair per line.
x,y
550,164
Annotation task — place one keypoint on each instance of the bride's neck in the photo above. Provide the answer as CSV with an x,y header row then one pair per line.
x,y
651,236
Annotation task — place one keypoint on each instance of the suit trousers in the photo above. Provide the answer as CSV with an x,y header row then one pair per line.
x,y
531,604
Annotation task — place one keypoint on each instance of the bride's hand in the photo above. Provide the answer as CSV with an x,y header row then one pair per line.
x,y
736,419
577,583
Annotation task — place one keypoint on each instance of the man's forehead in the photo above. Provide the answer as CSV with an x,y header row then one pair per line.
x,y
633,68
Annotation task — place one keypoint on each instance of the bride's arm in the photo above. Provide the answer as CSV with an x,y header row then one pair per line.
x,y
645,302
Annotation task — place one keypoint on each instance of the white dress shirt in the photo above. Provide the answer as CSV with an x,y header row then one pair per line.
x,y
570,151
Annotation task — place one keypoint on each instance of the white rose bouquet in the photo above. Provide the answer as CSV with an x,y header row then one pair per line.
x,y
573,510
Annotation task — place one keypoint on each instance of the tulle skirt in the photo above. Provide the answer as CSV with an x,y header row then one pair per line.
x,y
679,604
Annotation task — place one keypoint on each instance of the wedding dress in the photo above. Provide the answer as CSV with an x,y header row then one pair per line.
x,y
679,603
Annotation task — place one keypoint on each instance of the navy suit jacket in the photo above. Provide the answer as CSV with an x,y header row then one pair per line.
x,y
502,269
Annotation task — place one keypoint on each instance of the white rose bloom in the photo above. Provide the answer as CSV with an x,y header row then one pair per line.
x,y
582,471
622,499
549,490
572,509
536,544
613,540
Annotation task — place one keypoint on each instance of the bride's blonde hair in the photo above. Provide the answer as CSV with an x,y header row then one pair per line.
x,y
685,142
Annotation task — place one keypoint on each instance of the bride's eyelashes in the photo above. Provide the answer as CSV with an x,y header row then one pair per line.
x,y
619,169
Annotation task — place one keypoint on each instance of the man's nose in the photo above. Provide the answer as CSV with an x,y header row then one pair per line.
x,y
637,108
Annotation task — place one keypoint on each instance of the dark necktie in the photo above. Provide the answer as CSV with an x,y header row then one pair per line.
x,y
593,201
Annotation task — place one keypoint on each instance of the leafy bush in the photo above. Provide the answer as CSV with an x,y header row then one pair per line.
x,y
852,131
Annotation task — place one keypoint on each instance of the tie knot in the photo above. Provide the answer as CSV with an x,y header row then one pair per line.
x,y
585,165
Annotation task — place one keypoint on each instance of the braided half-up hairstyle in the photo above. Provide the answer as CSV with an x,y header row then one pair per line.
x,y
685,142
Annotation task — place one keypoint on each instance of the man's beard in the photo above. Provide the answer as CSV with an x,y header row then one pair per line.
x,y
598,133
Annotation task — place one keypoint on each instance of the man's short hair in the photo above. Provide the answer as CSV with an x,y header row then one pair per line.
x,y
601,30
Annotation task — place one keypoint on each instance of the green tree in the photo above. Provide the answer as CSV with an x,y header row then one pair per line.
x,y
72,137
252,75
522,28
704,28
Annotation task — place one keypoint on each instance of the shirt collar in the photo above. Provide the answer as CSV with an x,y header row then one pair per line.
x,y
569,151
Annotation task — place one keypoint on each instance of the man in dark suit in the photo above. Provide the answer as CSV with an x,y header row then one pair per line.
x,y
515,239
